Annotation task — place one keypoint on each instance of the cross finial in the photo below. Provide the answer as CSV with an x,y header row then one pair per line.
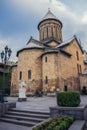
x,y
48,9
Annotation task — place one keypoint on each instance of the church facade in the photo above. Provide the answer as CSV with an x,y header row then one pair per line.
x,y
49,63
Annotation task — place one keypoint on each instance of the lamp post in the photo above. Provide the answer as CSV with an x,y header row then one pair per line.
x,y
5,55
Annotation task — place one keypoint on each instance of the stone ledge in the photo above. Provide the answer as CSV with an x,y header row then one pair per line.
x,y
79,113
4,107
77,125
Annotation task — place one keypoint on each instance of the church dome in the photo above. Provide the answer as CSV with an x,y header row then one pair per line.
x,y
50,27
49,15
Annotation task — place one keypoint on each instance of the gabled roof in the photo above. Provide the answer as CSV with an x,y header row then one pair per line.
x,y
14,65
34,41
31,44
69,42
56,51
49,15
65,43
50,40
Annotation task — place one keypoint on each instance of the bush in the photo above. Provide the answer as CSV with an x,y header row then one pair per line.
x,y
38,93
84,91
70,99
58,123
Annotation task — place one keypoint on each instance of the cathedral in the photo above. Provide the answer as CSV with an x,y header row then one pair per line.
x,y
49,63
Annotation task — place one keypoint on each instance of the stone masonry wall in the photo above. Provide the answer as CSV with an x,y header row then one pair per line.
x,y
14,82
65,69
30,60
60,69
72,49
54,30
83,80
49,69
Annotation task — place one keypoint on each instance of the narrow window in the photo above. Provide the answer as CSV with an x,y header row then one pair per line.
x,y
45,59
56,31
20,76
52,31
47,31
43,34
77,55
29,74
46,80
78,68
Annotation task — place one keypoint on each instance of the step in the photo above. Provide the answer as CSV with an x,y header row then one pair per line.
x,y
26,111
18,122
30,119
28,114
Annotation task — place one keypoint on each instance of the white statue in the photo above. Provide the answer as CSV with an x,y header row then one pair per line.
x,y
22,92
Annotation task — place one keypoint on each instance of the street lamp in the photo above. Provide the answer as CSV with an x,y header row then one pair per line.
x,y
5,55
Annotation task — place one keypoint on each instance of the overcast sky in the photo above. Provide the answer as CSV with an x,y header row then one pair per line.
x,y
19,20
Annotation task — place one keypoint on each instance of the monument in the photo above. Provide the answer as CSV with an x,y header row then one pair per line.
x,y
22,92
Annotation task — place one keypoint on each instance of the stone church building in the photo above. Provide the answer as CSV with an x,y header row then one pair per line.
x,y
49,63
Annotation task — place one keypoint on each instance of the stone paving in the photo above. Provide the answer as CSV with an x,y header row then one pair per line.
x,y
33,103
9,126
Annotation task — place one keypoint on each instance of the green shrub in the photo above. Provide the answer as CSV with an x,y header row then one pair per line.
x,y
69,98
84,91
58,123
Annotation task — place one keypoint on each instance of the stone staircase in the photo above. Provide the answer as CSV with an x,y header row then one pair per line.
x,y
24,117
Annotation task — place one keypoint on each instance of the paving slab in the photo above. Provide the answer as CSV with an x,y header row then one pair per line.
x,y
9,126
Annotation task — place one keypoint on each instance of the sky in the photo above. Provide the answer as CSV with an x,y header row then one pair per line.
x,y
19,20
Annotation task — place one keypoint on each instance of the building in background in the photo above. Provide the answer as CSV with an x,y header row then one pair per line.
x,y
49,63
8,76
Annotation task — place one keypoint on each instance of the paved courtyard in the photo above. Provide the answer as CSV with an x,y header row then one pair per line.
x,y
39,103
33,103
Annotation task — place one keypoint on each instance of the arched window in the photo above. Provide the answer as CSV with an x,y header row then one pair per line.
x,y
47,31
29,74
77,55
46,59
46,81
80,69
52,31
20,75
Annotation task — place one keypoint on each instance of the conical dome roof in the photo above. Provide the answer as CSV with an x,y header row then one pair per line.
x,y
49,15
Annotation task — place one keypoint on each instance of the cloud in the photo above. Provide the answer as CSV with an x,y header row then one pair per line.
x,y
84,18
14,43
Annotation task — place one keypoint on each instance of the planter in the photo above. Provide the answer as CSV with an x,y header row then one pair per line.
x,y
79,113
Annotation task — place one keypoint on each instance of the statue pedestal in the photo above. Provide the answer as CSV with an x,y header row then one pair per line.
x,y
22,99
22,94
